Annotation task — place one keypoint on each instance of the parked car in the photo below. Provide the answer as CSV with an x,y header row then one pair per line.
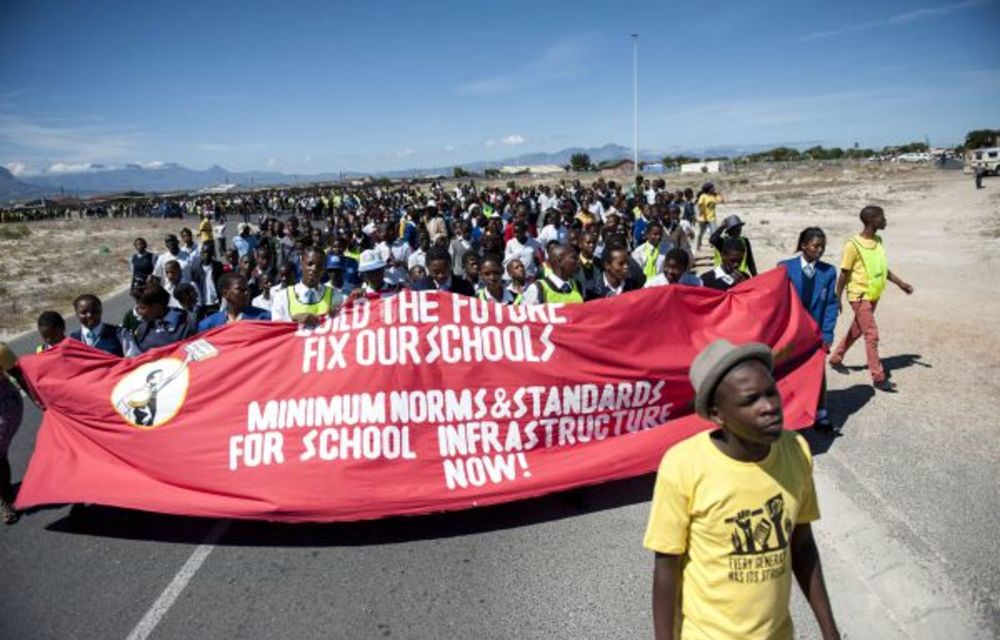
x,y
987,159
167,210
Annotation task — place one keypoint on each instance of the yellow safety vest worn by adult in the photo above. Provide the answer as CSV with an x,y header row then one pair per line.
x,y
297,307
553,294
717,260
876,267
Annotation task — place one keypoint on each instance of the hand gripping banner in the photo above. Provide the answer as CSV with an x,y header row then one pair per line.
x,y
419,403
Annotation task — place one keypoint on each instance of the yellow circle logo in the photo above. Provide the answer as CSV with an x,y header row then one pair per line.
x,y
152,394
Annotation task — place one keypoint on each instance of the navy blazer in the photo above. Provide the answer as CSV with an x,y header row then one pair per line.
x,y
823,304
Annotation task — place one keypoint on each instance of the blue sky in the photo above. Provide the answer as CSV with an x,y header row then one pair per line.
x,y
305,87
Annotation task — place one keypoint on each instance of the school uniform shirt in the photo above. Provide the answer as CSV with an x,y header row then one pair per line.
x,y
261,302
142,267
169,288
455,284
417,259
525,252
307,295
641,253
718,279
108,338
173,327
816,284
732,524
220,318
400,252
457,249
182,257
605,290
660,280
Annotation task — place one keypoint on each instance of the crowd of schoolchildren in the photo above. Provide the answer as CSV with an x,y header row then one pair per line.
x,y
547,244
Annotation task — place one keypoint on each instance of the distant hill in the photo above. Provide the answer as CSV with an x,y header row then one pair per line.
x,y
167,177
13,189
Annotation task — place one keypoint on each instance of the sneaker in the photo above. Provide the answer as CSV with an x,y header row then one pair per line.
x,y
824,425
886,386
840,367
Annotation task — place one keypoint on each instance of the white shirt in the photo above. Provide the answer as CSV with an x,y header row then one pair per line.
x,y
640,253
660,280
183,258
210,296
524,252
612,291
306,295
417,259
400,252
811,271
552,232
597,208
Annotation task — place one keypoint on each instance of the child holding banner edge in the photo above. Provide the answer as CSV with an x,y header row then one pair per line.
x,y
731,511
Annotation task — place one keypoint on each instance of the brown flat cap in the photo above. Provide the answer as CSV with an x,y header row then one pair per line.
x,y
715,360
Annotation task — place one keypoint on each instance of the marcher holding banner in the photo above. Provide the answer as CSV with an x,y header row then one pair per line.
x,y
420,402
731,510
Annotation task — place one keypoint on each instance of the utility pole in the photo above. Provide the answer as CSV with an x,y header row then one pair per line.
x,y
635,103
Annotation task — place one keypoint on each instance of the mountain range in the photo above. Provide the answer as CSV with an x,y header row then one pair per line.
x,y
166,177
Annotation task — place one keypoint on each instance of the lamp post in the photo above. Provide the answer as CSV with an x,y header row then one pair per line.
x,y
635,103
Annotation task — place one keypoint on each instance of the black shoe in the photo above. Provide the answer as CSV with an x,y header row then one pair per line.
x,y
823,425
886,386
840,367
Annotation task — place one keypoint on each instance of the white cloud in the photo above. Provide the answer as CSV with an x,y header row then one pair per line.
x,y
16,168
404,153
72,167
898,19
513,140
271,162
490,143
155,164
71,144
564,59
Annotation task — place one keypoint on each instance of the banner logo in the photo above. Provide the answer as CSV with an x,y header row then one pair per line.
x,y
153,393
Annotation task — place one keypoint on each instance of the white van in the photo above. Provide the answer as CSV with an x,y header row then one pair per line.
x,y
987,159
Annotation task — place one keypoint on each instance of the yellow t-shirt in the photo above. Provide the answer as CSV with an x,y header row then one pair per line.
x,y
205,230
706,206
732,522
857,286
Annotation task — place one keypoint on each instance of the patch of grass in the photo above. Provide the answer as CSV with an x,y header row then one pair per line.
x,y
14,231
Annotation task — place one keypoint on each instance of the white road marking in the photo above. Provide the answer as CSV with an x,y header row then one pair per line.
x,y
177,585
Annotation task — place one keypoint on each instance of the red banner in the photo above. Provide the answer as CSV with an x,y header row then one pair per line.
x,y
419,403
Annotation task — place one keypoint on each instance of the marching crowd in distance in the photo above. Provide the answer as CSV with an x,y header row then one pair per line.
x,y
543,244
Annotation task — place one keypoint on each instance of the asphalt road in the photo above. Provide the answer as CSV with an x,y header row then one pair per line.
x,y
908,538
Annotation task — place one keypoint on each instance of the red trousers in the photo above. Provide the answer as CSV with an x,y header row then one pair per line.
x,y
863,325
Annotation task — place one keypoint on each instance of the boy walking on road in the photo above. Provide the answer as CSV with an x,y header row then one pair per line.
x,y
731,512
864,271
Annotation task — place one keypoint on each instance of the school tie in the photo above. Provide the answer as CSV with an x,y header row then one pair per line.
x,y
809,270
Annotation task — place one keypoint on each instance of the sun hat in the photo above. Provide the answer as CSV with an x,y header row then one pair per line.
x,y
370,261
715,361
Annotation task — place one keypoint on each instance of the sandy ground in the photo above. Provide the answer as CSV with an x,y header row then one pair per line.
x,y
44,265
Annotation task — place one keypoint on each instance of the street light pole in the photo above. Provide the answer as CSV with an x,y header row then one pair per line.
x,y
635,103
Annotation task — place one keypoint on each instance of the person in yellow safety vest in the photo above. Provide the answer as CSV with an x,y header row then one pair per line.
x,y
558,285
309,300
732,227
51,329
491,276
864,270
651,253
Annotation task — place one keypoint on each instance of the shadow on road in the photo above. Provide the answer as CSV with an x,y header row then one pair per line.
x,y
102,521
842,404
893,363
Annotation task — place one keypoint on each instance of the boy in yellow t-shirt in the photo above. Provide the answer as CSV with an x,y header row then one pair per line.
x,y
731,510
864,271
705,206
